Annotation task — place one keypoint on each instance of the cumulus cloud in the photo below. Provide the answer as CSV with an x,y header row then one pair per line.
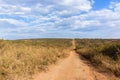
x,y
82,5
42,17
44,6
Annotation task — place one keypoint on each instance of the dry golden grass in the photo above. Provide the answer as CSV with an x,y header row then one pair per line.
x,y
21,59
103,54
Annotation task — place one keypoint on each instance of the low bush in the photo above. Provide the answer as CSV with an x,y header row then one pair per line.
x,y
103,54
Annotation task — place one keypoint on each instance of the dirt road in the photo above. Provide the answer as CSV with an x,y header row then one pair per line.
x,y
72,68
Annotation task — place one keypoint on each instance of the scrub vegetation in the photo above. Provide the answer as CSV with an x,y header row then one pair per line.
x,y
103,54
21,59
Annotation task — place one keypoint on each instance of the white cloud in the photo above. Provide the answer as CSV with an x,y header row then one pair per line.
x,y
42,16
84,24
9,9
14,22
83,5
117,7
43,7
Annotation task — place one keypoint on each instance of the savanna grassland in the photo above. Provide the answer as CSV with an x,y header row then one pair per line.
x,y
21,59
103,54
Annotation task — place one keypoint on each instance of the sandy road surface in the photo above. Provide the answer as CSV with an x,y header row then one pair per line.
x,y
72,68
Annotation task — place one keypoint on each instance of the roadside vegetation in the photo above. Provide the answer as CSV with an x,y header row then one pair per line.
x,y
21,59
103,54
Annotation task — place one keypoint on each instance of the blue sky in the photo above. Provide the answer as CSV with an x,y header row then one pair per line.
x,y
20,19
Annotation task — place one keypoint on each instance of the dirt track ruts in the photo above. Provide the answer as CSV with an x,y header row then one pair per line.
x,y
72,68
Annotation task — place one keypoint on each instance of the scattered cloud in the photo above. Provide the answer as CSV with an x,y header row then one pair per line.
x,y
55,18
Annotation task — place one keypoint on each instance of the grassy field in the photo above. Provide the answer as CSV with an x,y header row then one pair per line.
x,y
20,59
103,54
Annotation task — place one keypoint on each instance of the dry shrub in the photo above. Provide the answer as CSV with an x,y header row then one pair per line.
x,y
105,55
